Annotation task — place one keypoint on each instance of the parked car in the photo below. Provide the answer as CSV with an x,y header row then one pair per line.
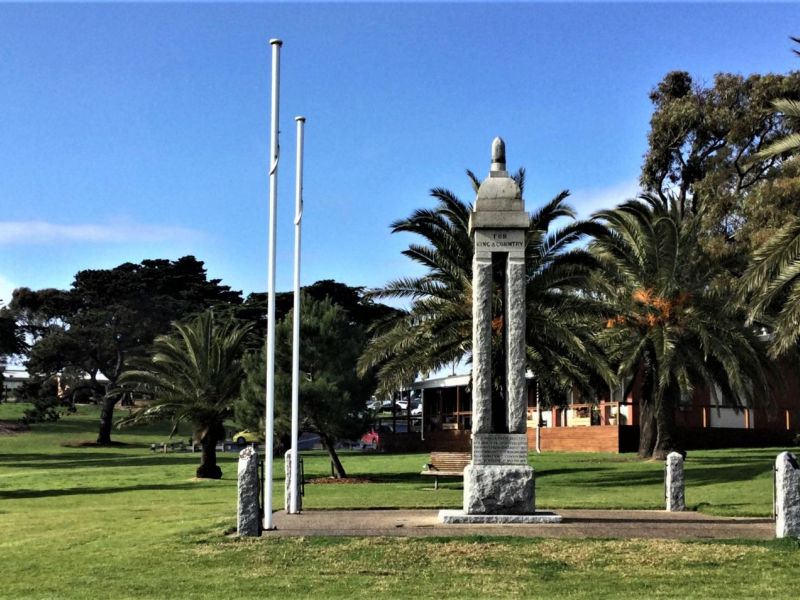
x,y
389,406
416,409
246,437
372,438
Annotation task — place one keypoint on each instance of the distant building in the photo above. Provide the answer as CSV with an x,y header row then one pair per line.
x,y
606,422
15,376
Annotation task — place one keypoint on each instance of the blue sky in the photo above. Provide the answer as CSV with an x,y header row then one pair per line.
x,y
142,131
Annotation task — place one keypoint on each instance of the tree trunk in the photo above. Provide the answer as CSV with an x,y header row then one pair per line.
x,y
106,419
338,469
647,427
665,421
208,468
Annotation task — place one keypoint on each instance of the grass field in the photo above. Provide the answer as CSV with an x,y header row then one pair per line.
x,y
122,522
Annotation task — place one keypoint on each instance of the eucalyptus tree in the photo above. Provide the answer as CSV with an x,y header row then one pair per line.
x,y
790,108
12,340
673,330
708,144
436,330
705,142
193,374
110,315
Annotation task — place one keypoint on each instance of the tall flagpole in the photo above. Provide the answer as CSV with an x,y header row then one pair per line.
x,y
273,205
298,216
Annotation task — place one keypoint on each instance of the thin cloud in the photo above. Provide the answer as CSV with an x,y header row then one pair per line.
x,y
587,201
29,233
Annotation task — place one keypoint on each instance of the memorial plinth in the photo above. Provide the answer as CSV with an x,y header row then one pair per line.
x,y
499,485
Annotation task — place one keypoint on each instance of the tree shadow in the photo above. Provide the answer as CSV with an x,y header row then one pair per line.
x,y
376,477
79,491
75,460
616,479
738,458
567,471
417,477
733,507
695,475
726,474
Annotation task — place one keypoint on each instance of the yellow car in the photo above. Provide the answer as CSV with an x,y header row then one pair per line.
x,y
246,437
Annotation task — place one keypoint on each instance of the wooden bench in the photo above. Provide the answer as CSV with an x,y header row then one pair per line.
x,y
446,464
168,447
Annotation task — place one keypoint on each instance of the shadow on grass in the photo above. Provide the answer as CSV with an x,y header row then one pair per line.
x,y
392,477
739,458
619,479
417,477
88,491
76,460
88,424
695,475
570,471
644,520
728,474
732,506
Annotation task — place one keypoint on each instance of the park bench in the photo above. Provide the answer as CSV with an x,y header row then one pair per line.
x,y
190,446
169,447
446,464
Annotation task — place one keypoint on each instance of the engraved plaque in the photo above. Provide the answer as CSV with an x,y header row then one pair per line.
x,y
499,240
499,449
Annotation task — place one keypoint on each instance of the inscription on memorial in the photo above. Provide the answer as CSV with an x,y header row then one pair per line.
x,y
499,240
499,449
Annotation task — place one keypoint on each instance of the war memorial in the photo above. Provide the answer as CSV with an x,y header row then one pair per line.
x,y
499,485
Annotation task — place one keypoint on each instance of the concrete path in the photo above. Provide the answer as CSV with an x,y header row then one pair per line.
x,y
576,524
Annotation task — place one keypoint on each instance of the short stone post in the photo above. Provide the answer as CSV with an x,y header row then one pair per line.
x,y
286,496
674,483
248,515
787,496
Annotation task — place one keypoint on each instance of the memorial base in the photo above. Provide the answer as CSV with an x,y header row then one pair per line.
x,y
455,517
498,490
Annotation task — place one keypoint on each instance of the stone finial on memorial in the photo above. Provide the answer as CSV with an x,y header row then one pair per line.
x,y
498,156
787,496
288,485
674,482
248,515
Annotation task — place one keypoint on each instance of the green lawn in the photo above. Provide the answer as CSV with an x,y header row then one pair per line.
x,y
122,522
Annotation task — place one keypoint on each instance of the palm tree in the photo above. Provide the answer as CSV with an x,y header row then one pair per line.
x,y
772,280
436,331
773,283
194,375
790,143
673,330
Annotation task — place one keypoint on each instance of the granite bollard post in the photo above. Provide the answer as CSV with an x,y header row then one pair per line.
x,y
787,496
288,486
674,483
248,515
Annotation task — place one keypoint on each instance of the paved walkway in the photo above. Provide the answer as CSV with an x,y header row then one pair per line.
x,y
576,524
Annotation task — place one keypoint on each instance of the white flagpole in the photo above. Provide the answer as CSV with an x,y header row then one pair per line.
x,y
538,421
273,205
298,216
